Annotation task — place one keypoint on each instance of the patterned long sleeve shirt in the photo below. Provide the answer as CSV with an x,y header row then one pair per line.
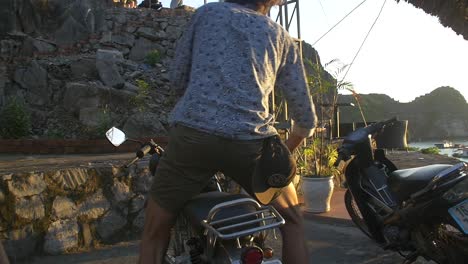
x,y
227,64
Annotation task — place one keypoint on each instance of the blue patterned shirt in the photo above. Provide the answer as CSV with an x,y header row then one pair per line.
x,y
226,65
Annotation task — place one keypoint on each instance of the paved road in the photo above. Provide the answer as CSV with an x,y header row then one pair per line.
x,y
328,242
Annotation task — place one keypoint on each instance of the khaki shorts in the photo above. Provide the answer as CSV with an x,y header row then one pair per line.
x,y
192,157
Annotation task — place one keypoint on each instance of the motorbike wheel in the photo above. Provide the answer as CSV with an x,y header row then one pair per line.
x,y
355,214
445,244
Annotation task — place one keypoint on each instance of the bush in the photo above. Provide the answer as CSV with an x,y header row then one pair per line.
x,y
15,120
153,57
412,149
143,92
431,150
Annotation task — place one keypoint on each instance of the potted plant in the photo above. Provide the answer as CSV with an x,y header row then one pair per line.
x,y
318,172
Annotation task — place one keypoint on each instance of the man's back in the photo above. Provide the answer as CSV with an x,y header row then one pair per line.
x,y
228,63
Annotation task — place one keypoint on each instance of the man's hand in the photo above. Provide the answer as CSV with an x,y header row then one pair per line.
x,y
294,140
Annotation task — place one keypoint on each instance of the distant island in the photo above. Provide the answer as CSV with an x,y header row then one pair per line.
x,y
441,114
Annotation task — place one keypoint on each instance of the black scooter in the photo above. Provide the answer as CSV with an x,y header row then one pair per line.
x,y
417,212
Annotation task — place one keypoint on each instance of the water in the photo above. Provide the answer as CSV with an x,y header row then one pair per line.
x,y
447,151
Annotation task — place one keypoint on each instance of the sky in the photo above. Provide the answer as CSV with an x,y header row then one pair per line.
x,y
407,54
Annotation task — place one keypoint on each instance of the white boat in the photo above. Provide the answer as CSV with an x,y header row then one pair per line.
x,y
444,144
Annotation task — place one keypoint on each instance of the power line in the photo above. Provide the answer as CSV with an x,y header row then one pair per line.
x,y
364,41
323,9
339,22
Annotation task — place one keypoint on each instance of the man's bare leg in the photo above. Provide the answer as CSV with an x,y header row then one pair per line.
x,y
3,255
294,246
156,234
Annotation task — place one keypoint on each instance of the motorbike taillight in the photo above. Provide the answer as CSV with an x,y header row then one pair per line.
x,y
252,255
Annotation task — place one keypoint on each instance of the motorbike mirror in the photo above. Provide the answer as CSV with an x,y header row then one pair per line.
x,y
116,136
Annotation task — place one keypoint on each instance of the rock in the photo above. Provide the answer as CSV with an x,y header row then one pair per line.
x,y
137,203
142,47
29,209
144,125
139,221
142,180
106,37
34,80
110,224
121,192
130,87
130,29
84,68
80,95
3,80
121,18
70,32
113,56
2,196
151,33
174,32
63,208
62,235
94,207
90,116
21,243
107,68
27,184
124,39
42,46
70,179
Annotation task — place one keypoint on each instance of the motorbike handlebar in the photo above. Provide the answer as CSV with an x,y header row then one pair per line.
x,y
143,151
149,147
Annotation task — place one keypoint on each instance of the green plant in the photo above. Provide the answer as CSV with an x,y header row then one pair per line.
x,y
319,158
153,57
143,92
104,122
412,149
55,133
431,150
15,120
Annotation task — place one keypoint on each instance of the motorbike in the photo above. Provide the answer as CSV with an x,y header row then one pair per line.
x,y
417,212
216,226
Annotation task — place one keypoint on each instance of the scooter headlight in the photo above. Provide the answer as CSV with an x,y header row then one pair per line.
x,y
457,192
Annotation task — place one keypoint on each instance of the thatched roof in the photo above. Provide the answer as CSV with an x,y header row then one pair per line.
x,y
451,13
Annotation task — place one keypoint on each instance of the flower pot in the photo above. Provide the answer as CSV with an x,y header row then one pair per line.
x,y
317,193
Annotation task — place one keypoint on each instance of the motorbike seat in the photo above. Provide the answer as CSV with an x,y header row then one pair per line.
x,y
405,182
197,209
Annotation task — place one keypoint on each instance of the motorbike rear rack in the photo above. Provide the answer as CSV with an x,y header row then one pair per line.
x,y
263,218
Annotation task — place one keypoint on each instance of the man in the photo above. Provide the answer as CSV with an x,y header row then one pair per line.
x,y
226,65
154,4
3,255
176,3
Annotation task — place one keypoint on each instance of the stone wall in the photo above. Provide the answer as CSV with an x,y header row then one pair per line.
x,y
52,212
72,86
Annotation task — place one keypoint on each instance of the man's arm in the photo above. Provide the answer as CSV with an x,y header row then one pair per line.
x,y
181,66
292,81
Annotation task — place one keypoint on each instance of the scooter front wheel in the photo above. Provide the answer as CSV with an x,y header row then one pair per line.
x,y
355,214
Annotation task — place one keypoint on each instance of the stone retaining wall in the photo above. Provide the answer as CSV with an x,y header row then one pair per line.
x,y
52,212
70,90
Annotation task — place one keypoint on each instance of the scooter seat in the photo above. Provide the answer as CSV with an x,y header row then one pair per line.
x,y
405,182
198,208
